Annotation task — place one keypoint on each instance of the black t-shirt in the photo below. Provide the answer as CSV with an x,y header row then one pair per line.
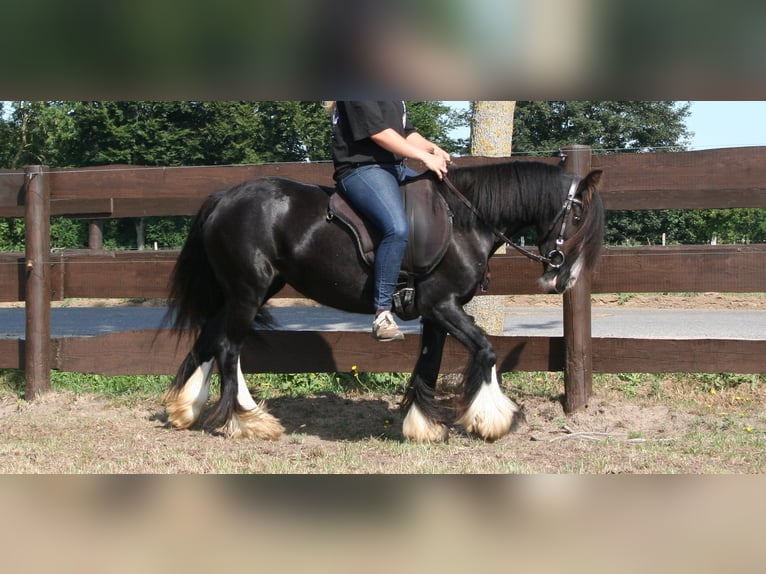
x,y
354,123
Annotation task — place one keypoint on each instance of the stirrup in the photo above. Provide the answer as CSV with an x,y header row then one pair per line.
x,y
403,299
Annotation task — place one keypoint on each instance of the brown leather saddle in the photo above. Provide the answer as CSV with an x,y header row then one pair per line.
x,y
430,225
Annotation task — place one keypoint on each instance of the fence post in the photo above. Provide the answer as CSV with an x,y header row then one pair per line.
x,y
37,344
578,361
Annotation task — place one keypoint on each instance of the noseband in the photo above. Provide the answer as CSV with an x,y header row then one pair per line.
x,y
555,257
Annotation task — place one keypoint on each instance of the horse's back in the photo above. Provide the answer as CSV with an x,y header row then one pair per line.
x,y
265,202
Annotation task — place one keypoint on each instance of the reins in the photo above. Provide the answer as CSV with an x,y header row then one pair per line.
x,y
555,257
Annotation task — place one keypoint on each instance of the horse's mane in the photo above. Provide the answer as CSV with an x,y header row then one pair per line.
x,y
521,192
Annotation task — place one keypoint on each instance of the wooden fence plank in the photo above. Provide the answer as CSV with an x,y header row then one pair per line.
x,y
724,268
684,180
12,279
146,183
111,274
152,352
12,354
709,179
11,193
613,355
158,352
679,269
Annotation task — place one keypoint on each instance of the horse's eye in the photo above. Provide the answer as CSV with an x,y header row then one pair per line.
x,y
577,219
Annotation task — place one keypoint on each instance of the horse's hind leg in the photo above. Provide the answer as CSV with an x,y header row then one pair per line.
x,y
236,411
188,393
422,421
248,418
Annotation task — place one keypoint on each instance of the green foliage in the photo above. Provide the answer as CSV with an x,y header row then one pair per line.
x,y
541,128
167,232
68,233
435,120
686,227
76,134
293,131
116,386
31,133
11,234
264,385
269,385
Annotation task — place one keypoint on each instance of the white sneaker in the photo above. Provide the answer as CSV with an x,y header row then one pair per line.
x,y
384,328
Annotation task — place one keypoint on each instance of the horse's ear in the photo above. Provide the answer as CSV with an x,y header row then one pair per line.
x,y
589,184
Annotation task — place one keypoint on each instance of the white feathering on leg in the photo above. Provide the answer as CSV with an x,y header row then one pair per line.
x,y
420,429
185,406
251,420
491,413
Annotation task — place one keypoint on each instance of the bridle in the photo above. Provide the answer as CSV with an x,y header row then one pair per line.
x,y
555,258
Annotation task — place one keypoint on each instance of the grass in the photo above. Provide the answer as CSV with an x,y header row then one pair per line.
x,y
267,385
296,385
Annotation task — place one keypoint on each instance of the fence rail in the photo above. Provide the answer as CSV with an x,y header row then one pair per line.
x,y
688,180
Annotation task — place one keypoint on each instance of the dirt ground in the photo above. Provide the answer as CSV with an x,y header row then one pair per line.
x,y
636,424
361,433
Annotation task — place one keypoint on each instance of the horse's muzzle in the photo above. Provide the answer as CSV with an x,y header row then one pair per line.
x,y
550,285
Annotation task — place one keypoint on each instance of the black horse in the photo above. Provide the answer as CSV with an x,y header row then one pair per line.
x,y
247,242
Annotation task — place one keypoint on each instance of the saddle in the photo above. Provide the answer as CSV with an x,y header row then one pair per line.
x,y
430,226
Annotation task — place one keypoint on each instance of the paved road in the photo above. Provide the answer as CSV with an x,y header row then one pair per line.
x,y
521,321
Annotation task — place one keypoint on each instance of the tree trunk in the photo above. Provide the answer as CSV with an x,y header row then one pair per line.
x,y
491,136
140,233
492,128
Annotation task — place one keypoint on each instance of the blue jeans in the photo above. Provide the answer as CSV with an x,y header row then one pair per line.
x,y
374,191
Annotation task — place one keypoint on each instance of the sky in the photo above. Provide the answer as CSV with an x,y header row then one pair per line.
x,y
720,124
727,124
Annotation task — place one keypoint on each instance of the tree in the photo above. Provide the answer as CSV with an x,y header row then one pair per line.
x,y
30,134
435,121
542,128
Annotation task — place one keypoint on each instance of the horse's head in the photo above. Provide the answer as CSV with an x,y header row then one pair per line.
x,y
573,242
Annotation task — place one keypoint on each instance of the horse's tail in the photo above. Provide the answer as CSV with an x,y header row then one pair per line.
x,y
195,294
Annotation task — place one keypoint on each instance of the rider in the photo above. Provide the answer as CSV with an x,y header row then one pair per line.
x,y
370,142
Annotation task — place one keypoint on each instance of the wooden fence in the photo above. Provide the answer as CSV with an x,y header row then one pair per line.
x,y
688,180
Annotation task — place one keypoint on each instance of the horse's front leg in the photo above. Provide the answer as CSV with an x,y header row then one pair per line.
x,y
423,419
484,409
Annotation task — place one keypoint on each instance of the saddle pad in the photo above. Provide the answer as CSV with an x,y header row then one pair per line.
x,y
430,225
